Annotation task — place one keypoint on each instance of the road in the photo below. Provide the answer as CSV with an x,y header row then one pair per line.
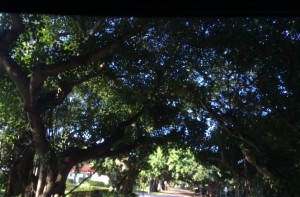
x,y
172,192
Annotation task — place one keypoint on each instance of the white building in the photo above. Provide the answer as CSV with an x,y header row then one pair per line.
x,y
84,172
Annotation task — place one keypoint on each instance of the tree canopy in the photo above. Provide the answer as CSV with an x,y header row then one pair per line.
x,y
75,88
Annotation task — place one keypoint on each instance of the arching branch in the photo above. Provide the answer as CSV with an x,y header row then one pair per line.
x,y
12,68
78,61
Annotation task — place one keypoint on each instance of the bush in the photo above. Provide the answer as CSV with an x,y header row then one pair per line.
x,y
70,182
95,193
96,183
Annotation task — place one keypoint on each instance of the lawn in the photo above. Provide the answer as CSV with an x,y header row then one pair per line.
x,y
85,188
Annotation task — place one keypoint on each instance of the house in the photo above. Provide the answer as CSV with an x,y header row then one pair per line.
x,y
86,171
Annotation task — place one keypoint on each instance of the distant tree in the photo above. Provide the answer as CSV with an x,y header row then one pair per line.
x,y
123,170
177,166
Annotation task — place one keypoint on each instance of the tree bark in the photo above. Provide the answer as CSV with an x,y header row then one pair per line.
x,y
128,183
19,181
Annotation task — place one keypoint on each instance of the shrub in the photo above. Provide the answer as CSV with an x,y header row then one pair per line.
x,y
96,183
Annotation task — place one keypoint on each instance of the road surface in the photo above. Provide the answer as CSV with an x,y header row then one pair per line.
x,y
172,192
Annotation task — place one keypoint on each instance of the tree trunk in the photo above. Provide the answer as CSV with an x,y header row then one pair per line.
x,y
45,180
128,183
19,181
50,180
52,177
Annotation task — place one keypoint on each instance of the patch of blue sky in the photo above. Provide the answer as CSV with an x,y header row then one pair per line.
x,y
266,112
281,86
214,149
65,37
240,161
211,127
100,141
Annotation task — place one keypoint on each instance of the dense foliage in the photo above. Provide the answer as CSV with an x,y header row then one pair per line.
x,y
178,167
75,88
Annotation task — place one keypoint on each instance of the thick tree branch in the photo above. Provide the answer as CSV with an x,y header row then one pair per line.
x,y
71,63
120,129
246,152
53,98
252,160
77,61
16,26
86,34
134,118
14,71
73,156
222,164
95,72
38,132
19,78
220,118
28,87
77,155
36,82
124,148
9,36
41,72
74,20
270,103
92,31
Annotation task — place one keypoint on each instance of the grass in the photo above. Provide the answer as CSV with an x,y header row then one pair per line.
x,y
81,192
104,191
1,192
85,187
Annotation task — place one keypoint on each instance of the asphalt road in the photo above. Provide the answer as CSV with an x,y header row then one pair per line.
x,y
172,192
